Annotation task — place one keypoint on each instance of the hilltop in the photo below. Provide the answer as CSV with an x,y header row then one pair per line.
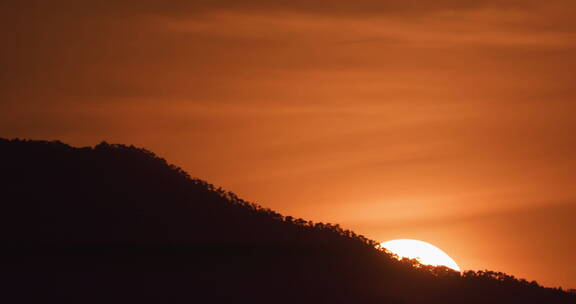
x,y
120,224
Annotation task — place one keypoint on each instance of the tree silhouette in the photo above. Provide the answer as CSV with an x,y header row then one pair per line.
x,y
116,223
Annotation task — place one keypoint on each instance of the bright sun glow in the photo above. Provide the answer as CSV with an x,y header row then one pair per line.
x,y
425,253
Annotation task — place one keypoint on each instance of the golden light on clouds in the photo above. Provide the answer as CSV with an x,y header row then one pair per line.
x,y
447,121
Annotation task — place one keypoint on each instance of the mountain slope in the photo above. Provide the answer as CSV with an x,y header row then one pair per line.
x,y
117,223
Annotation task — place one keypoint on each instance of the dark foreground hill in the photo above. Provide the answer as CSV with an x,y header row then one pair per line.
x,y
116,224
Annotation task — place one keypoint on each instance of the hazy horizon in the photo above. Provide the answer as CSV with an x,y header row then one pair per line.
x,y
449,122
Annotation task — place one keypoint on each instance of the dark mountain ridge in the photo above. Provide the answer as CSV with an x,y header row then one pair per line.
x,y
116,223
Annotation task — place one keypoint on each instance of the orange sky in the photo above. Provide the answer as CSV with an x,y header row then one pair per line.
x,y
446,121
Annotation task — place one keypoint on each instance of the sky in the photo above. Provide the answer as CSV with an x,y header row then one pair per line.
x,y
446,121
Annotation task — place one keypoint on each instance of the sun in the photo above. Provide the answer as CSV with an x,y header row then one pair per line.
x,y
425,253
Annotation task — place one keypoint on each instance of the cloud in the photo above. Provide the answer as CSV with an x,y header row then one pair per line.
x,y
413,108
491,81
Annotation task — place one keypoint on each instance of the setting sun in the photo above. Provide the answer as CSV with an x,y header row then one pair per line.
x,y
288,151
425,253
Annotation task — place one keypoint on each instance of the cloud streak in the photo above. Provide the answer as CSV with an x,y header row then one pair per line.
x,y
445,107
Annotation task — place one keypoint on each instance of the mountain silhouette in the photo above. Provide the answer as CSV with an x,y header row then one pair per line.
x,y
117,224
